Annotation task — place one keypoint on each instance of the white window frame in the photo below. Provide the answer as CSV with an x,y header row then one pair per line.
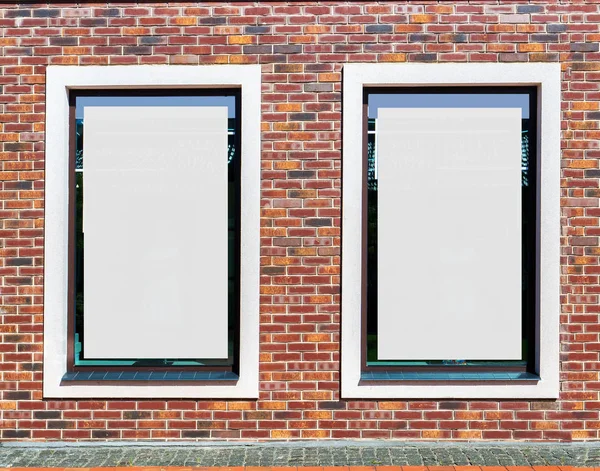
x,y
59,81
546,77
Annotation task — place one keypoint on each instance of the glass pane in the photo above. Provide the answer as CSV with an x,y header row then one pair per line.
x,y
381,99
233,156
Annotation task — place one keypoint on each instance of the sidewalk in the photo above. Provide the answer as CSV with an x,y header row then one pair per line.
x,y
322,455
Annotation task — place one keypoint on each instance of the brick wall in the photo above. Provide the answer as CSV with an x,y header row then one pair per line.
x,y
302,48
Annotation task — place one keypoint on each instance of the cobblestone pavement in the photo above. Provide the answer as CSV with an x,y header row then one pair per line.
x,y
322,454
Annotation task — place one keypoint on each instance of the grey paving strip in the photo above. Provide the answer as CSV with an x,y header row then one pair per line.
x,y
299,454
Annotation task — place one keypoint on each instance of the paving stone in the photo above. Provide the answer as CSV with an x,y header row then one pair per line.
x,y
321,454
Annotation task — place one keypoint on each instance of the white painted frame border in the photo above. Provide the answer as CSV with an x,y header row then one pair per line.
x,y
546,77
61,79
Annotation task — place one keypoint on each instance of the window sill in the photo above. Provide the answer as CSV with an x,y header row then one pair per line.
x,y
397,376
152,376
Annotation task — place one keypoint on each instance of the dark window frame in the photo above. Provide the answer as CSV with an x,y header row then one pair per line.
x,y
529,315
71,249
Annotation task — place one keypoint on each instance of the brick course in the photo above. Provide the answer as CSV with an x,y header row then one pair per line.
x,y
302,48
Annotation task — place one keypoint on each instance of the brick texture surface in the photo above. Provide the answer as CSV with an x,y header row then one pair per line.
x,y
302,47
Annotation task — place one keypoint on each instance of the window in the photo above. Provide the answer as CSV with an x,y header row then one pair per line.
x,y
149,208
455,280
152,209
453,246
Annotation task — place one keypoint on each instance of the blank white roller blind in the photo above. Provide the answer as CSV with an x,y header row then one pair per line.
x,y
155,232
449,234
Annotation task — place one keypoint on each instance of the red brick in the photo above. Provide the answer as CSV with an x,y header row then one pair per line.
x,y
301,267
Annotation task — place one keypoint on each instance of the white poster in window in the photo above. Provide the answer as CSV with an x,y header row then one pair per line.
x,y
155,211
449,234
